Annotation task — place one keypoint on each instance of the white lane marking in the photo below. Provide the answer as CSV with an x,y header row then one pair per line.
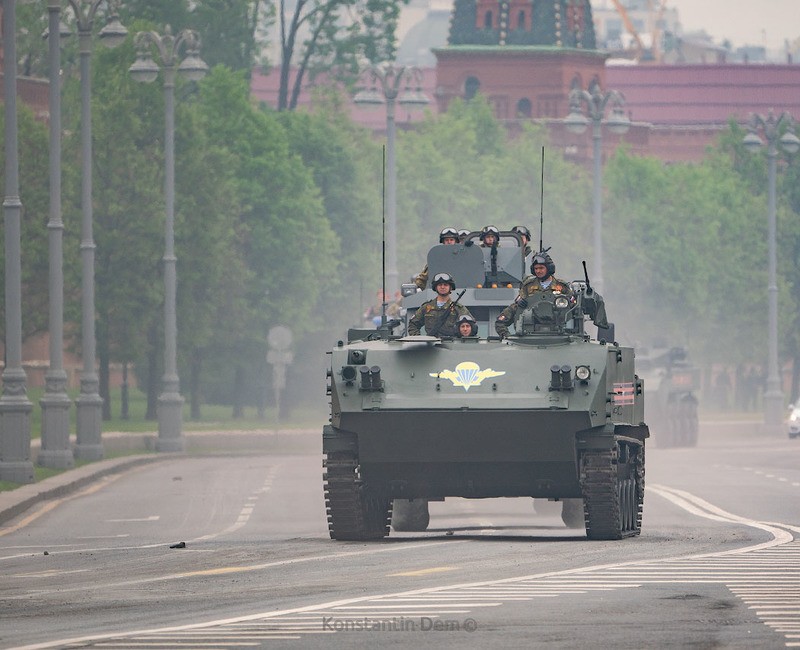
x,y
589,578
246,511
703,508
47,574
134,519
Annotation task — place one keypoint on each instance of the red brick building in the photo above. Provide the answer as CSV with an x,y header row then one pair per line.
x,y
516,54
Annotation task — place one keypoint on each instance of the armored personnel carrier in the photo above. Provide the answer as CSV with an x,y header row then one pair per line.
x,y
672,383
549,412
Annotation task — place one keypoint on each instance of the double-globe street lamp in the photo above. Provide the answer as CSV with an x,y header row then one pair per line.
x,y
55,447
89,404
145,69
777,131
15,407
386,81
55,451
596,102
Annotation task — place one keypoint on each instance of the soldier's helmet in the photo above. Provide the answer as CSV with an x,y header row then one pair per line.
x,y
543,258
443,278
462,234
467,318
522,230
490,230
448,232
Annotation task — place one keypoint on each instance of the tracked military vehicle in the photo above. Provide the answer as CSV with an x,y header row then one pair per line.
x,y
672,384
550,412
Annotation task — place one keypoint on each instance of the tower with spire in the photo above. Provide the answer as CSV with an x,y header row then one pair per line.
x,y
522,55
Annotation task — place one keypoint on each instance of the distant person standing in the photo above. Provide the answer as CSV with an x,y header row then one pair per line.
x,y
723,387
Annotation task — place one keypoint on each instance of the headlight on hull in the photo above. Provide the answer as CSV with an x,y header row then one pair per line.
x,y
582,373
562,302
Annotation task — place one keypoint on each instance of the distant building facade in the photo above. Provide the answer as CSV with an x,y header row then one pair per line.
x,y
522,55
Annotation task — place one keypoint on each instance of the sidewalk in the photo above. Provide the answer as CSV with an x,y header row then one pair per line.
x,y
280,441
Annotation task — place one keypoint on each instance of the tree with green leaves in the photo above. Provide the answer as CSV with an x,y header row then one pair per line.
x,y
460,169
231,31
34,194
345,162
128,204
678,237
284,241
332,37
211,273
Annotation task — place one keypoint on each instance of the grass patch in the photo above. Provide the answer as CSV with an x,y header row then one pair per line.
x,y
214,417
39,474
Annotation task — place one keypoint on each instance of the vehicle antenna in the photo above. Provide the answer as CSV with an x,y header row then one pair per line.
x,y
541,207
383,240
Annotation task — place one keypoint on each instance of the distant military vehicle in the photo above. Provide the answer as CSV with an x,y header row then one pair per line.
x,y
672,383
547,413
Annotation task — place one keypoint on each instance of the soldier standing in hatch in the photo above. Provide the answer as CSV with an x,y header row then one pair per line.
x,y
542,267
490,236
467,326
449,237
523,232
439,315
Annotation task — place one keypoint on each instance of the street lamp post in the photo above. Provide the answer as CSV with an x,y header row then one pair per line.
x,y
576,122
145,69
55,451
89,404
391,77
772,128
15,407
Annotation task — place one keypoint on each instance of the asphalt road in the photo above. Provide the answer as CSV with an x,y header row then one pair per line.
x,y
717,564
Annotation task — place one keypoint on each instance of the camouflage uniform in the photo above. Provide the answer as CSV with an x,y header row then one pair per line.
x,y
421,280
530,285
429,315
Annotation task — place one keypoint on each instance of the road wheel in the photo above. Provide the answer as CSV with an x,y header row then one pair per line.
x,y
612,482
410,515
572,513
353,513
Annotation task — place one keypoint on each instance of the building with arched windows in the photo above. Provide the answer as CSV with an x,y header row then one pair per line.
x,y
522,55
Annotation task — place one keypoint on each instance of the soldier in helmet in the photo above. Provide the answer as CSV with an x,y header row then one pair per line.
x,y
439,315
542,267
523,232
462,235
447,236
490,236
467,326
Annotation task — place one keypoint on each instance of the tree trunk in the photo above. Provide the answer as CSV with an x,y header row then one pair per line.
x,y
102,356
152,373
124,393
238,393
194,385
